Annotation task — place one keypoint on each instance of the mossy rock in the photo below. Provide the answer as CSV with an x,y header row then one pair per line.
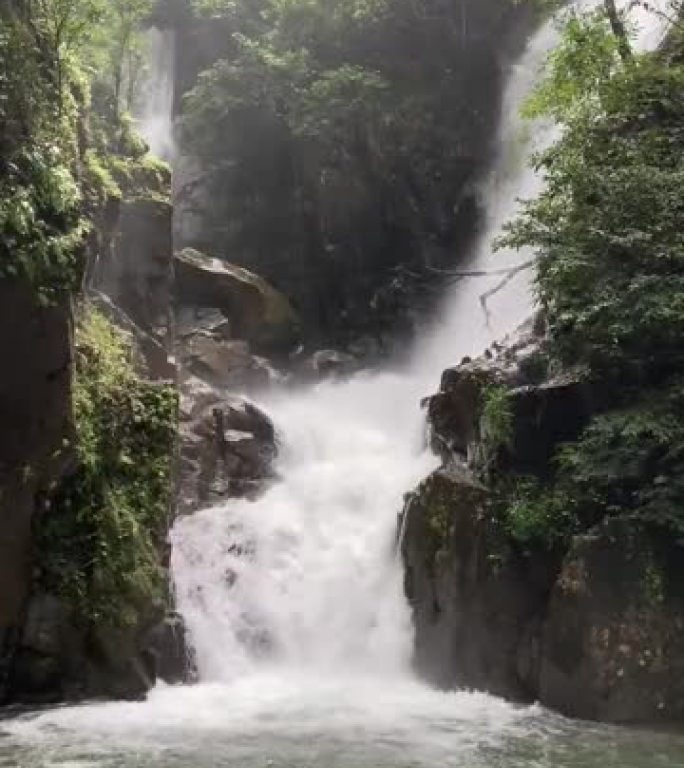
x,y
258,313
613,642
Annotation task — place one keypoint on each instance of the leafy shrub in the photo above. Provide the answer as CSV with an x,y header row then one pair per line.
x,y
535,516
497,417
609,227
101,544
631,461
41,228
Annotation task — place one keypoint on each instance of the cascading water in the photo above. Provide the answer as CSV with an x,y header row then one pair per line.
x,y
305,577
294,602
155,113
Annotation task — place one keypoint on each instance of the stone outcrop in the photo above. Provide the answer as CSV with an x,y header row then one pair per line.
x,y
51,662
227,447
255,312
476,603
134,268
45,655
206,349
35,413
592,628
613,640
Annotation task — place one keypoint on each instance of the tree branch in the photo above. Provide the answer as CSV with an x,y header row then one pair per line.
x,y
619,31
458,274
508,274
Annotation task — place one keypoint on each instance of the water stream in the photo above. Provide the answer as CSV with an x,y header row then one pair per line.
x,y
294,602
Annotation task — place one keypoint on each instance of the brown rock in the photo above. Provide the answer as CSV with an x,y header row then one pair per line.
x,y
476,604
257,312
613,647
36,418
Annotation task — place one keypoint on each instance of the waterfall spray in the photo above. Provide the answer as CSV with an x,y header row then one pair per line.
x,y
304,578
155,115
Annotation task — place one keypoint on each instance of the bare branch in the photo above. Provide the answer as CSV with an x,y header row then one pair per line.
x,y
458,274
510,274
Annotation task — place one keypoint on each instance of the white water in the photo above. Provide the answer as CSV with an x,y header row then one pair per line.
x,y
304,639
306,578
320,587
155,111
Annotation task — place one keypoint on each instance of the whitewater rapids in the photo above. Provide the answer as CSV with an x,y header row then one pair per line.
x,y
294,602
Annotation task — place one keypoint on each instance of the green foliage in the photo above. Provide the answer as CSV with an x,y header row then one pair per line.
x,y
631,461
100,179
100,545
41,228
497,417
535,516
577,69
609,231
339,139
610,226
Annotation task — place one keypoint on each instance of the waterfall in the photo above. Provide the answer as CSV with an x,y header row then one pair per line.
x,y
304,579
155,112
294,601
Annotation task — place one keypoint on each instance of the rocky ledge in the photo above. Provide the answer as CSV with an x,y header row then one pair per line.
x,y
590,625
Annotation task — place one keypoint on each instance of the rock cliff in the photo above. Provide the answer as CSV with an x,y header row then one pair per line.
x,y
522,595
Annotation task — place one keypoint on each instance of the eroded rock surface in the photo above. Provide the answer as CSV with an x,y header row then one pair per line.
x,y
591,627
256,312
227,447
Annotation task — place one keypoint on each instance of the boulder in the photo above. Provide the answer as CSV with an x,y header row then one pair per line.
x,y
330,362
613,640
476,603
257,312
135,265
226,364
36,418
166,652
227,447
454,412
546,408
544,416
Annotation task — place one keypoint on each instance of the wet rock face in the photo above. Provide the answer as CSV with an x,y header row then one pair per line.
x,y
56,660
135,266
593,629
256,312
35,413
166,652
613,641
476,605
227,447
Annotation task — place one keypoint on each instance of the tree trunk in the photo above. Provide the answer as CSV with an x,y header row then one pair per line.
x,y
619,31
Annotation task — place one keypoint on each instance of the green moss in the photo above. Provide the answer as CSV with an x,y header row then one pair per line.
x,y
130,142
654,584
41,227
141,177
100,546
100,180
497,417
